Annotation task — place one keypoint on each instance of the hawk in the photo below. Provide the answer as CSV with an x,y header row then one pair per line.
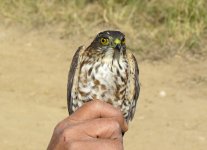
x,y
105,70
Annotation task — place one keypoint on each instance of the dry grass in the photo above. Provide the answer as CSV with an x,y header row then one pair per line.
x,y
155,28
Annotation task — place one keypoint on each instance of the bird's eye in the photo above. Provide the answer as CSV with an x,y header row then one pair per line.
x,y
104,41
123,41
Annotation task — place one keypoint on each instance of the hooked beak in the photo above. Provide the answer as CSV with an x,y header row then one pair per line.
x,y
118,45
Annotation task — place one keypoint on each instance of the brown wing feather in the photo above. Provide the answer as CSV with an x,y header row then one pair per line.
x,y
71,77
136,77
134,84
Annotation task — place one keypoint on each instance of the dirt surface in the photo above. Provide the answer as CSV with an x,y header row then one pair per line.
x,y
171,112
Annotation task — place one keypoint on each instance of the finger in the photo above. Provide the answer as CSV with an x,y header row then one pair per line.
x,y
102,128
99,109
99,144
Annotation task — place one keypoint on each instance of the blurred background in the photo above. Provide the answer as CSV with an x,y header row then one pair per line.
x,y
39,37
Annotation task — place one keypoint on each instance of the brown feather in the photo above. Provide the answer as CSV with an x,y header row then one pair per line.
x,y
71,76
134,83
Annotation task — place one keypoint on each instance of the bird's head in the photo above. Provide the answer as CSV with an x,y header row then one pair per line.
x,y
110,41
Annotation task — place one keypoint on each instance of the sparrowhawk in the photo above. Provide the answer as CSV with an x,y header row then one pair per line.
x,y
107,71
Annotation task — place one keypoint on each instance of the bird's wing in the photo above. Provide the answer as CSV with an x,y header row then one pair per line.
x,y
134,87
73,77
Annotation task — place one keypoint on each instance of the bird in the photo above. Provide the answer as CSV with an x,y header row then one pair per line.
x,y
106,71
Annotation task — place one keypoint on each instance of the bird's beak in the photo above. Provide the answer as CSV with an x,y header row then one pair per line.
x,y
118,45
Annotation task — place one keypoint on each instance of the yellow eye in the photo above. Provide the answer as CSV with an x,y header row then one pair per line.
x,y
123,41
104,41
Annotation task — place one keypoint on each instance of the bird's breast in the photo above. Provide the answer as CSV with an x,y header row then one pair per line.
x,y
104,80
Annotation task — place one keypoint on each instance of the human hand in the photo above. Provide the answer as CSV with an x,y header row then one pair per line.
x,y
94,126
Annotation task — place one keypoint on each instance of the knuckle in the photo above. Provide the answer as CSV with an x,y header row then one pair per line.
x,y
114,125
94,105
58,128
66,132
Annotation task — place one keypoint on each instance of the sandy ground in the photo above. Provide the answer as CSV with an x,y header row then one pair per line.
x,y
171,112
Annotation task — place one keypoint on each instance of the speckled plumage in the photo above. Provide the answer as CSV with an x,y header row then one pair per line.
x,y
105,72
